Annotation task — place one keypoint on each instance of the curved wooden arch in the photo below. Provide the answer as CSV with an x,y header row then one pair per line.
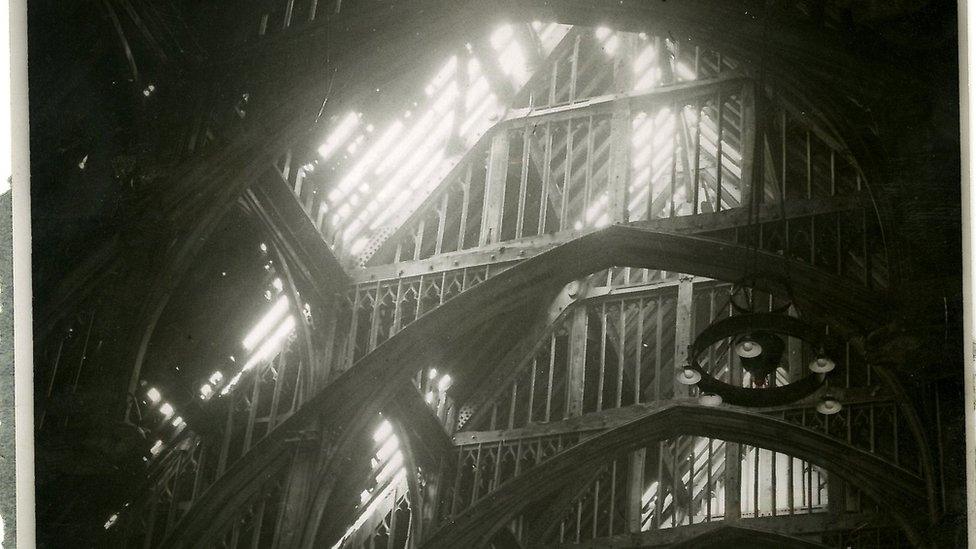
x,y
619,244
901,492
350,400
903,401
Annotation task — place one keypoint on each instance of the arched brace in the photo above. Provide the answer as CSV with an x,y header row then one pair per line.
x,y
316,270
907,407
346,405
900,491
190,210
516,359
427,451
417,424
352,473
221,518
178,261
550,516
887,367
522,356
158,302
309,358
408,448
331,468
409,445
559,514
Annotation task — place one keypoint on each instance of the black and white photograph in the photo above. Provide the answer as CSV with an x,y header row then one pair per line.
x,y
507,274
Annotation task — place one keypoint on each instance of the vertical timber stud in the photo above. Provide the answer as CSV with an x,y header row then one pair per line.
x,y
682,334
733,480
635,489
491,223
751,146
795,357
296,497
733,452
620,130
619,162
836,494
328,322
577,362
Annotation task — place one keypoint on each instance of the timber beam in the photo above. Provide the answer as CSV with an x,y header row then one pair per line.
x,y
635,100
524,248
491,254
637,290
302,243
764,213
419,424
761,527
596,422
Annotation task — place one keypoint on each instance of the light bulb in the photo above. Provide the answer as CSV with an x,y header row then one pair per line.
x,y
821,365
828,405
748,348
688,376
